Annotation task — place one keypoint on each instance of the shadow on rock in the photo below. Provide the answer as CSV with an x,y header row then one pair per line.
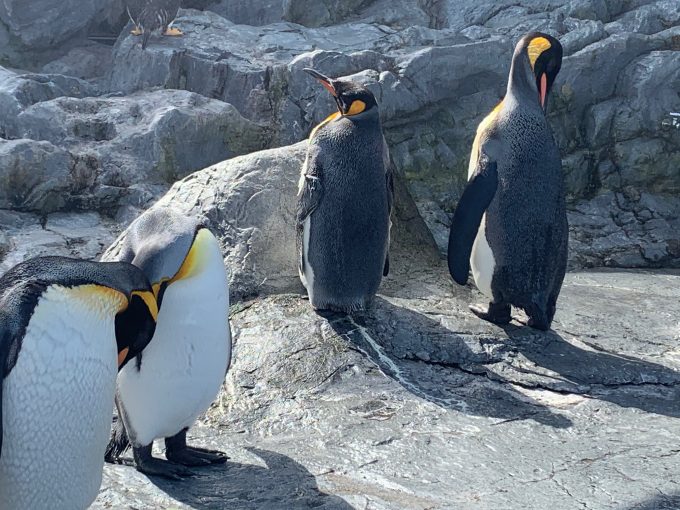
x,y
617,378
659,502
283,483
436,364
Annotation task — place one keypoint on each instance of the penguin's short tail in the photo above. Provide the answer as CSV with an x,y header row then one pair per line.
x,y
118,443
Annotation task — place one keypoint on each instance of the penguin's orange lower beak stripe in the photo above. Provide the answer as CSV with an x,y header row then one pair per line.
x,y
544,89
122,355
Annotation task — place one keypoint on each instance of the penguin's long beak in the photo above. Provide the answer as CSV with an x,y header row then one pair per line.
x,y
325,80
543,89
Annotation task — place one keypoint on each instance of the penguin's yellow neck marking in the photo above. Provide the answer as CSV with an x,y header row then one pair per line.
x,y
101,299
195,259
150,301
536,47
486,123
328,119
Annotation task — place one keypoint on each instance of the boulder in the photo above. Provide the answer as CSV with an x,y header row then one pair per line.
x,y
19,90
121,150
26,235
42,24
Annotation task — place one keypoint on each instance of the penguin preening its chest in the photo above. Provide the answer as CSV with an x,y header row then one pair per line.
x,y
151,15
65,327
511,223
178,376
344,203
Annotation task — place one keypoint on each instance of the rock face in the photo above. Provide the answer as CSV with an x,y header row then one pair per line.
x,y
115,151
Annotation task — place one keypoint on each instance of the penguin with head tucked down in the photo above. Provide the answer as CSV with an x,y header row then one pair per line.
x,y
66,326
511,221
344,202
150,15
174,380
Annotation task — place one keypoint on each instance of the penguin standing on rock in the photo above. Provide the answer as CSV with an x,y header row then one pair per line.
x,y
511,221
344,202
174,380
66,326
151,15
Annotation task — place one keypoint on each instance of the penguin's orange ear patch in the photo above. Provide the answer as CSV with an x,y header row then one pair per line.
x,y
356,108
537,46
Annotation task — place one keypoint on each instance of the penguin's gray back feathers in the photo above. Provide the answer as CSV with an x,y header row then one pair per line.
x,y
157,242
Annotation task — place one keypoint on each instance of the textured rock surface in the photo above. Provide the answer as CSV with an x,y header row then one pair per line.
x,y
420,405
116,151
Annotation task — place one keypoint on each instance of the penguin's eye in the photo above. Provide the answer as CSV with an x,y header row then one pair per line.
x,y
357,107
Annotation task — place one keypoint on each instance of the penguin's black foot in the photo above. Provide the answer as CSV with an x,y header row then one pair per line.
x,y
151,466
195,457
538,318
496,313
177,451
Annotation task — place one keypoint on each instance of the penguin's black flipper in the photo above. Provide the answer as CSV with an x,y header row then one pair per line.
x,y
477,196
309,197
386,269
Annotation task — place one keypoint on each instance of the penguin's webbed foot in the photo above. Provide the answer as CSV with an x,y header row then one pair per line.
x,y
538,319
173,32
150,466
195,457
496,313
164,469
136,31
177,451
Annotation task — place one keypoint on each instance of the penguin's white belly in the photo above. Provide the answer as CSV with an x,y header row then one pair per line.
x,y
307,274
184,365
482,261
57,407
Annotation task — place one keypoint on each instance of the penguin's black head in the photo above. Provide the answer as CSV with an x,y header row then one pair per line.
x,y
351,98
544,54
136,325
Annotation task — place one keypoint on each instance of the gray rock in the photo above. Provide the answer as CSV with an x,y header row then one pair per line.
x,y
128,150
85,62
44,23
81,235
34,176
18,91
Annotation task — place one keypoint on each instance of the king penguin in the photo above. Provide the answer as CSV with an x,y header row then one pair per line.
x,y
178,376
150,15
511,221
65,327
344,202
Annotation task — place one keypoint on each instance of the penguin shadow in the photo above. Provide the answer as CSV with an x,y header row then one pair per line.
x,y
617,378
436,364
280,483
658,502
